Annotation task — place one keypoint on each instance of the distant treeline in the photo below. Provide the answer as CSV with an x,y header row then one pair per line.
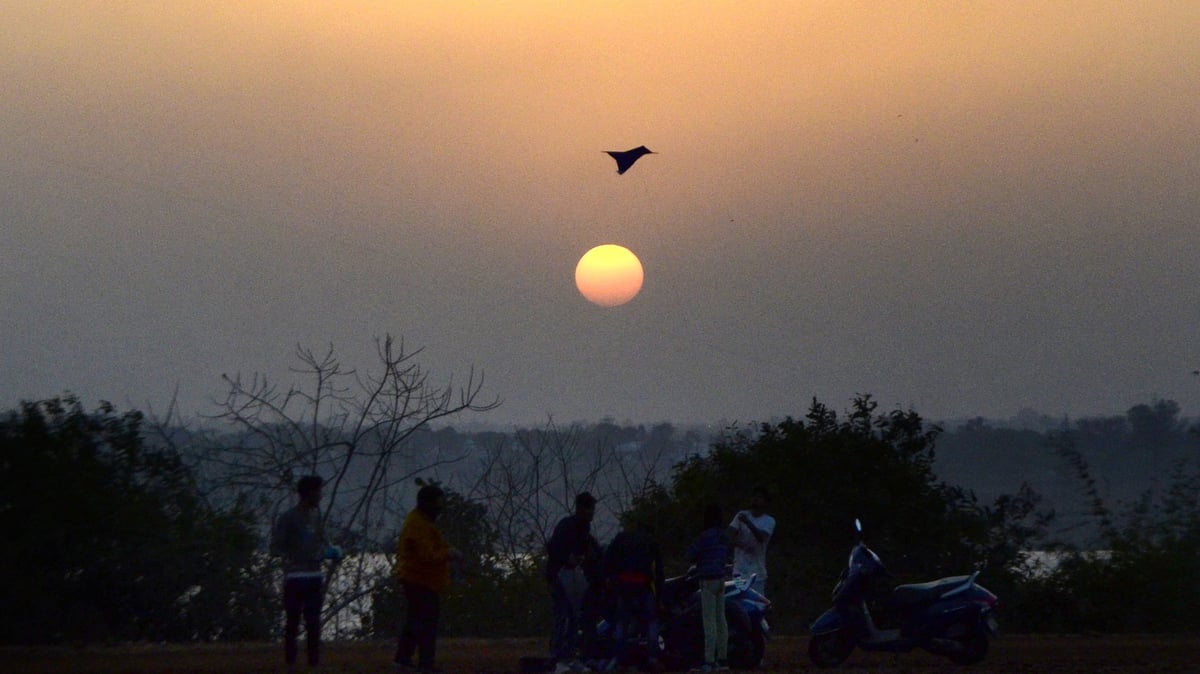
x,y
126,529
1126,456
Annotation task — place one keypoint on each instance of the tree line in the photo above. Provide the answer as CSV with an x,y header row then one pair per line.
x,y
127,528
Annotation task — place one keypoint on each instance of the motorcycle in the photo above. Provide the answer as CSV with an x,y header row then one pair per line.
x,y
952,617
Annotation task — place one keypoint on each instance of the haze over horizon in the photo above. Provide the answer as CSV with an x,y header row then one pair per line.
x,y
966,209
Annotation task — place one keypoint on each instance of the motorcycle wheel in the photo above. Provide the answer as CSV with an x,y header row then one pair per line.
x,y
829,649
975,647
746,644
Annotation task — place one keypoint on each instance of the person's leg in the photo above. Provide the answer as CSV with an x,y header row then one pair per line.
x,y
649,610
589,615
435,620
708,614
562,618
427,630
292,604
623,615
406,644
429,645
722,625
574,600
312,620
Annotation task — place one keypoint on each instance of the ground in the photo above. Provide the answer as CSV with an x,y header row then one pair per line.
x,y
1011,653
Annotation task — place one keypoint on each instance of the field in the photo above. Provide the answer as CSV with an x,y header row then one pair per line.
x,y
1012,653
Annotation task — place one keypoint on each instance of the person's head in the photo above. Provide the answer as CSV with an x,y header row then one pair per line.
x,y
431,500
585,505
760,500
712,516
641,526
309,489
627,521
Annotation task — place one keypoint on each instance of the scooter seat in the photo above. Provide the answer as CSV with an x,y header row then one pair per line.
x,y
919,593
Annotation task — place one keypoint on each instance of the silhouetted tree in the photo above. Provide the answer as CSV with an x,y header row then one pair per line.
x,y
109,538
1154,425
824,471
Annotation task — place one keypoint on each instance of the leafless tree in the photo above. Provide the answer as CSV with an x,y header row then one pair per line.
x,y
356,429
529,480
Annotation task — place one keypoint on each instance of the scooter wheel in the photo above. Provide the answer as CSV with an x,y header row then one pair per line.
x,y
829,649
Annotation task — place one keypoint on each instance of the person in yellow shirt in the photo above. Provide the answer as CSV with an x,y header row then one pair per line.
x,y
423,568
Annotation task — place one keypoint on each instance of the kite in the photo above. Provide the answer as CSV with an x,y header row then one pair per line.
x,y
626,158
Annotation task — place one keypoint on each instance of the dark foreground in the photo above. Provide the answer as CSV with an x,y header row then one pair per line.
x,y
1013,653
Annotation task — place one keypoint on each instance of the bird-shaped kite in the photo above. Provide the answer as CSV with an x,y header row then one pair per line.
x,y
626,158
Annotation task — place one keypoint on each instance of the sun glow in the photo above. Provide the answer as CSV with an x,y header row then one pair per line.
x,y
609,275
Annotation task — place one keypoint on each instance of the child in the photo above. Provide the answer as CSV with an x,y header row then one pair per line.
x,y
710,554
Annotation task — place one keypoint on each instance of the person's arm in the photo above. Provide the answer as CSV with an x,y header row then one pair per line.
x,y
735,531
556,550
760,535
431,547
593,561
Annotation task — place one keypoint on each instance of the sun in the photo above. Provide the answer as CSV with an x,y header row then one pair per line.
x,y
609,275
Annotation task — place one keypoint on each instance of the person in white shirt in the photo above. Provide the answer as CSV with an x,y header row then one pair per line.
x,y
750,531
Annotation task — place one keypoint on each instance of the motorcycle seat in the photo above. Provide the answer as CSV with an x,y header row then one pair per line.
x,y
919,593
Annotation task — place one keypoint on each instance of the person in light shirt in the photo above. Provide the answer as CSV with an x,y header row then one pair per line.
x,y
299,538
750,531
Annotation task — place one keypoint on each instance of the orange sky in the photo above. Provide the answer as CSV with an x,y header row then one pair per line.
x,y
897,195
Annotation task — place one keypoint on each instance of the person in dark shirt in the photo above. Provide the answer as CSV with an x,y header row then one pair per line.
x,y
710,552
569,553
633,570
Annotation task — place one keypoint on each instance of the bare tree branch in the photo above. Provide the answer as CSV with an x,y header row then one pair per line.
x,y
356,429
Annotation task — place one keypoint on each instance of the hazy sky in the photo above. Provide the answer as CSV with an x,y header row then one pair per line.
x,y
965,208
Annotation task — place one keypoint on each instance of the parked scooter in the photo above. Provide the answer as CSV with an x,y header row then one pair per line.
x,y
745,614
952,617
681,635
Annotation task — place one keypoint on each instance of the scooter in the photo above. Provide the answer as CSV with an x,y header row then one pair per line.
x,y
951,617
681,636
745,614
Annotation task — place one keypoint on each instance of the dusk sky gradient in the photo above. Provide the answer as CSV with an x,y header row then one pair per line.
x,y
966,208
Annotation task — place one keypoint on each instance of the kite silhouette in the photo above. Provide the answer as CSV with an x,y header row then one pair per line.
x,y
626,158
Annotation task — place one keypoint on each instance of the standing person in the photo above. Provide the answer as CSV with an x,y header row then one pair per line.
x,y
299,538
592,606
423,567
633,570
710,553
569,554
750,531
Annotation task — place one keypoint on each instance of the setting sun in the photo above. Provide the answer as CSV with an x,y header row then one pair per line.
x,y
609,275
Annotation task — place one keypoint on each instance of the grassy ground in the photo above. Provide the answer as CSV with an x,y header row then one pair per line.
x,y
1014,653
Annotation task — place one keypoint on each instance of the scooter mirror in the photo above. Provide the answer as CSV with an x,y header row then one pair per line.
x,y
857,525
